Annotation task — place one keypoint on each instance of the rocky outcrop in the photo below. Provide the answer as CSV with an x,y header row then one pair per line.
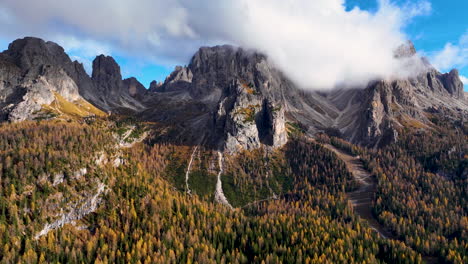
x,y
179,79
453,84
75,211
154,87
375,122
35,73
389,105
107,76
405,50
237,95
248,120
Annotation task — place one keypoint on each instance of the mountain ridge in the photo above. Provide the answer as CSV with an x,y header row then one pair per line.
x,y
227,97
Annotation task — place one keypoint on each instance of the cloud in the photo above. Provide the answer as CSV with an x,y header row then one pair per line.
x,y
5,17
82,50
464,80
87,47
452,55
413,9
318,44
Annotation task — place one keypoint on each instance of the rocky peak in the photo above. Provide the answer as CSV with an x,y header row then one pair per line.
x,y
180,74
239,83
179,79
106,73
113,93
230,87
453,84
405,50
155,86
219,65
134,87
224,60
228,97
388,105
34,73
30,52
33,55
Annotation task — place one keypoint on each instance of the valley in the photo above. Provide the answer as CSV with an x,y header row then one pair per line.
x,y
362,198
227,161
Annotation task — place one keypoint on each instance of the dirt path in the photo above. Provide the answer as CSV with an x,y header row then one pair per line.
x,y
361,199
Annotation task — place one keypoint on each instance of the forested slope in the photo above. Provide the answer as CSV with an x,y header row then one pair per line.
x,y
143,218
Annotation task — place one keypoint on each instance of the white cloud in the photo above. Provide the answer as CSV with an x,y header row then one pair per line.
x,y
464,80
317,43
452,55
86,47
82,50
413,9
5,17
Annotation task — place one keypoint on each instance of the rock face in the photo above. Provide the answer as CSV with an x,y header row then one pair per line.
x,y
453,84
34,74
384,106
107,76
249,120
179,79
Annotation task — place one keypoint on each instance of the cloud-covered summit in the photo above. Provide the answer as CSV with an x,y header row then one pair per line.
x,y
318,44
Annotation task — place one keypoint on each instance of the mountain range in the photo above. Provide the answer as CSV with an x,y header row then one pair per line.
x,y
226,98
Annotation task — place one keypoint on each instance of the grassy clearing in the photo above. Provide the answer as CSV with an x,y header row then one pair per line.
x,y
202,183
60,107
294,129
409,122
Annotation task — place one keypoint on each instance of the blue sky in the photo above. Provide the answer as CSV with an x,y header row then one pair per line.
x,y
446,22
